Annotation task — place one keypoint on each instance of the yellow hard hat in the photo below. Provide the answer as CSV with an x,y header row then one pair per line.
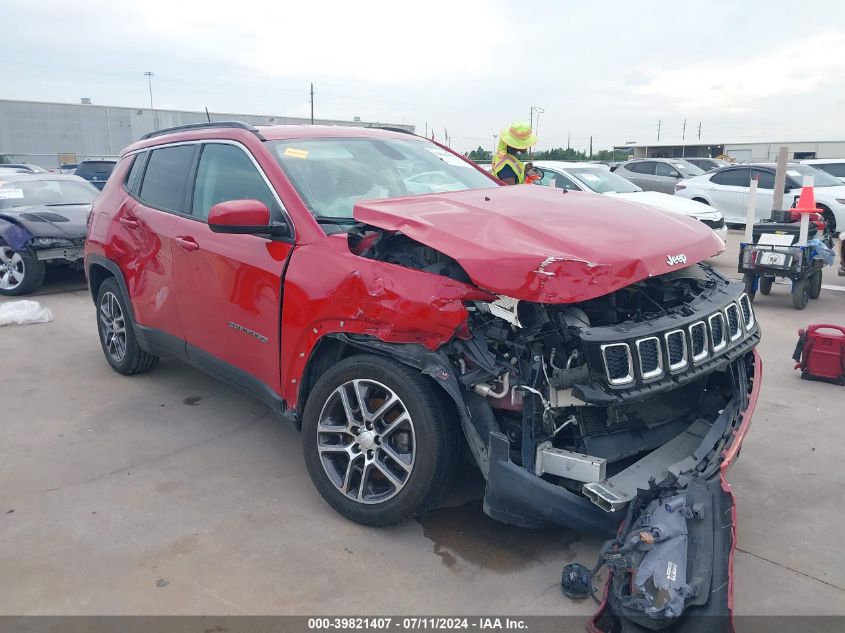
x,y
518,135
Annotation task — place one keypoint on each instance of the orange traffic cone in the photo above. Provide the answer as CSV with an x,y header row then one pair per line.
x,y
806,201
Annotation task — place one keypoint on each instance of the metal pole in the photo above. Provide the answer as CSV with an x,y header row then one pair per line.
x,y
780,179
683,140
750,212
659,123
149,76
312,104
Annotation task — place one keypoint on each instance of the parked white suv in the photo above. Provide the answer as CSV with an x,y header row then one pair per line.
x,y
599,179
727,190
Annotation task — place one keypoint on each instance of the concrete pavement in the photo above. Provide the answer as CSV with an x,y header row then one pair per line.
x,y
171,493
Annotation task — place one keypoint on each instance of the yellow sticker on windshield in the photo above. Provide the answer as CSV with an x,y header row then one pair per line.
x,y
296,153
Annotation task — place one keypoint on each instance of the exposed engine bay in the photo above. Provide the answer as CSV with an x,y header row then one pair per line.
x,y
605,412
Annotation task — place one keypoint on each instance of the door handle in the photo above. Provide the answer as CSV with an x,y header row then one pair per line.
x,y
129,222
187,243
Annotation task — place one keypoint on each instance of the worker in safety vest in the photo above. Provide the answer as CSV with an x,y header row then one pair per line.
x,y
513,142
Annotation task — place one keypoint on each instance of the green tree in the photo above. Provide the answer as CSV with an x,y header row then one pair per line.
x,y
480,155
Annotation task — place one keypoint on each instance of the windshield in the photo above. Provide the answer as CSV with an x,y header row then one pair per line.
x,y
820,178
687,170
602,180
332,174
27,193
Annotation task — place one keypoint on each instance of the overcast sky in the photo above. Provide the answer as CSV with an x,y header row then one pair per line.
x,y
744,70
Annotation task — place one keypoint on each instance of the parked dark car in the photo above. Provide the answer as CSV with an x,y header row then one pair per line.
x,y
96,172
42,221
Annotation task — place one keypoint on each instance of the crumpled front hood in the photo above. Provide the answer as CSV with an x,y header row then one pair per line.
x,y
539,244
673,204
65,221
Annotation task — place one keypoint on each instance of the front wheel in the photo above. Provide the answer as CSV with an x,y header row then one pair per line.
x,y
816,284
379,443
117,336
765,285
21,272
800,294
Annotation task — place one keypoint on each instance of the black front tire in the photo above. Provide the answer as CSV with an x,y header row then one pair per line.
x,y
800,294
25,263
748,279
766,285
127,358
436,440
816,284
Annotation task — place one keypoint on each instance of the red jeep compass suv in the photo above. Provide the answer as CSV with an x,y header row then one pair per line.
x,y
398,304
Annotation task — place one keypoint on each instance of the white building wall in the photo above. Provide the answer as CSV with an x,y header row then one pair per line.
x,y
37,132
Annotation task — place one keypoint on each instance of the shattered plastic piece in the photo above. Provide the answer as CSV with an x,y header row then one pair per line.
x,y
24,312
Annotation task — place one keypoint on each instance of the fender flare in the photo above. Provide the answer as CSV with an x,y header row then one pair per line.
x,y
94,259
438,367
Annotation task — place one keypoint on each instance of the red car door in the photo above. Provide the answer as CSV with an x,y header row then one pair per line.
x,y
145,225
229,287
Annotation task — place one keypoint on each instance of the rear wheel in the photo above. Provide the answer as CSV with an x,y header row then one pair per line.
x,y
379,443
829,218
816,284
800,294
750,281
117,336
21,272
765,285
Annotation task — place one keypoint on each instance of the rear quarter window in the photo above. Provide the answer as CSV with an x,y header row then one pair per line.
x,y
732,178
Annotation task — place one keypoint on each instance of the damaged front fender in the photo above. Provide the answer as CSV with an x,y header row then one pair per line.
x,y
328,289
14,235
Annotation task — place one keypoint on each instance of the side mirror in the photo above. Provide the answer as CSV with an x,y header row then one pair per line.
x,y
243,217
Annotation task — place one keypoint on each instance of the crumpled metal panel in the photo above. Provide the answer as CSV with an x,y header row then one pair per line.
x,y
13,235
329,289
539,244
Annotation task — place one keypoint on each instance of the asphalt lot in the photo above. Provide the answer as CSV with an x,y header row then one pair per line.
x,y
171,493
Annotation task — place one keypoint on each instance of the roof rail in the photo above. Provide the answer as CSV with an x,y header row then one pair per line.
x,y
204,126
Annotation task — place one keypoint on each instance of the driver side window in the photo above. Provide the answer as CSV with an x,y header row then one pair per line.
x,y
664,169
226,173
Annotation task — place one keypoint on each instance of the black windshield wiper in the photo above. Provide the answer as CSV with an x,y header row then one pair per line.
x,y
331,219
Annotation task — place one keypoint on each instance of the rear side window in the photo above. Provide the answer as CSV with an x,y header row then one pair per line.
x,y
645,167
765,179
225,173
95,168
732,177
166,177
133,178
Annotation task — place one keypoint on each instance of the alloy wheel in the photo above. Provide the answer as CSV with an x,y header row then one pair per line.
x,y
113,326
12,269
366,441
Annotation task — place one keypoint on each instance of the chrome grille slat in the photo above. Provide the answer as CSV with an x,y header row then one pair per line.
x,y
747,311
618,364
718,334
698,337
651,360
676,350
732,319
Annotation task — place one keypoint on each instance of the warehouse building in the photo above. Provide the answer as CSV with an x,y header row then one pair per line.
x,y
50,134
741,152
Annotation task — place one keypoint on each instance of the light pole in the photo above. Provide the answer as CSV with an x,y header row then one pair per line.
x,y
149,75
534,128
